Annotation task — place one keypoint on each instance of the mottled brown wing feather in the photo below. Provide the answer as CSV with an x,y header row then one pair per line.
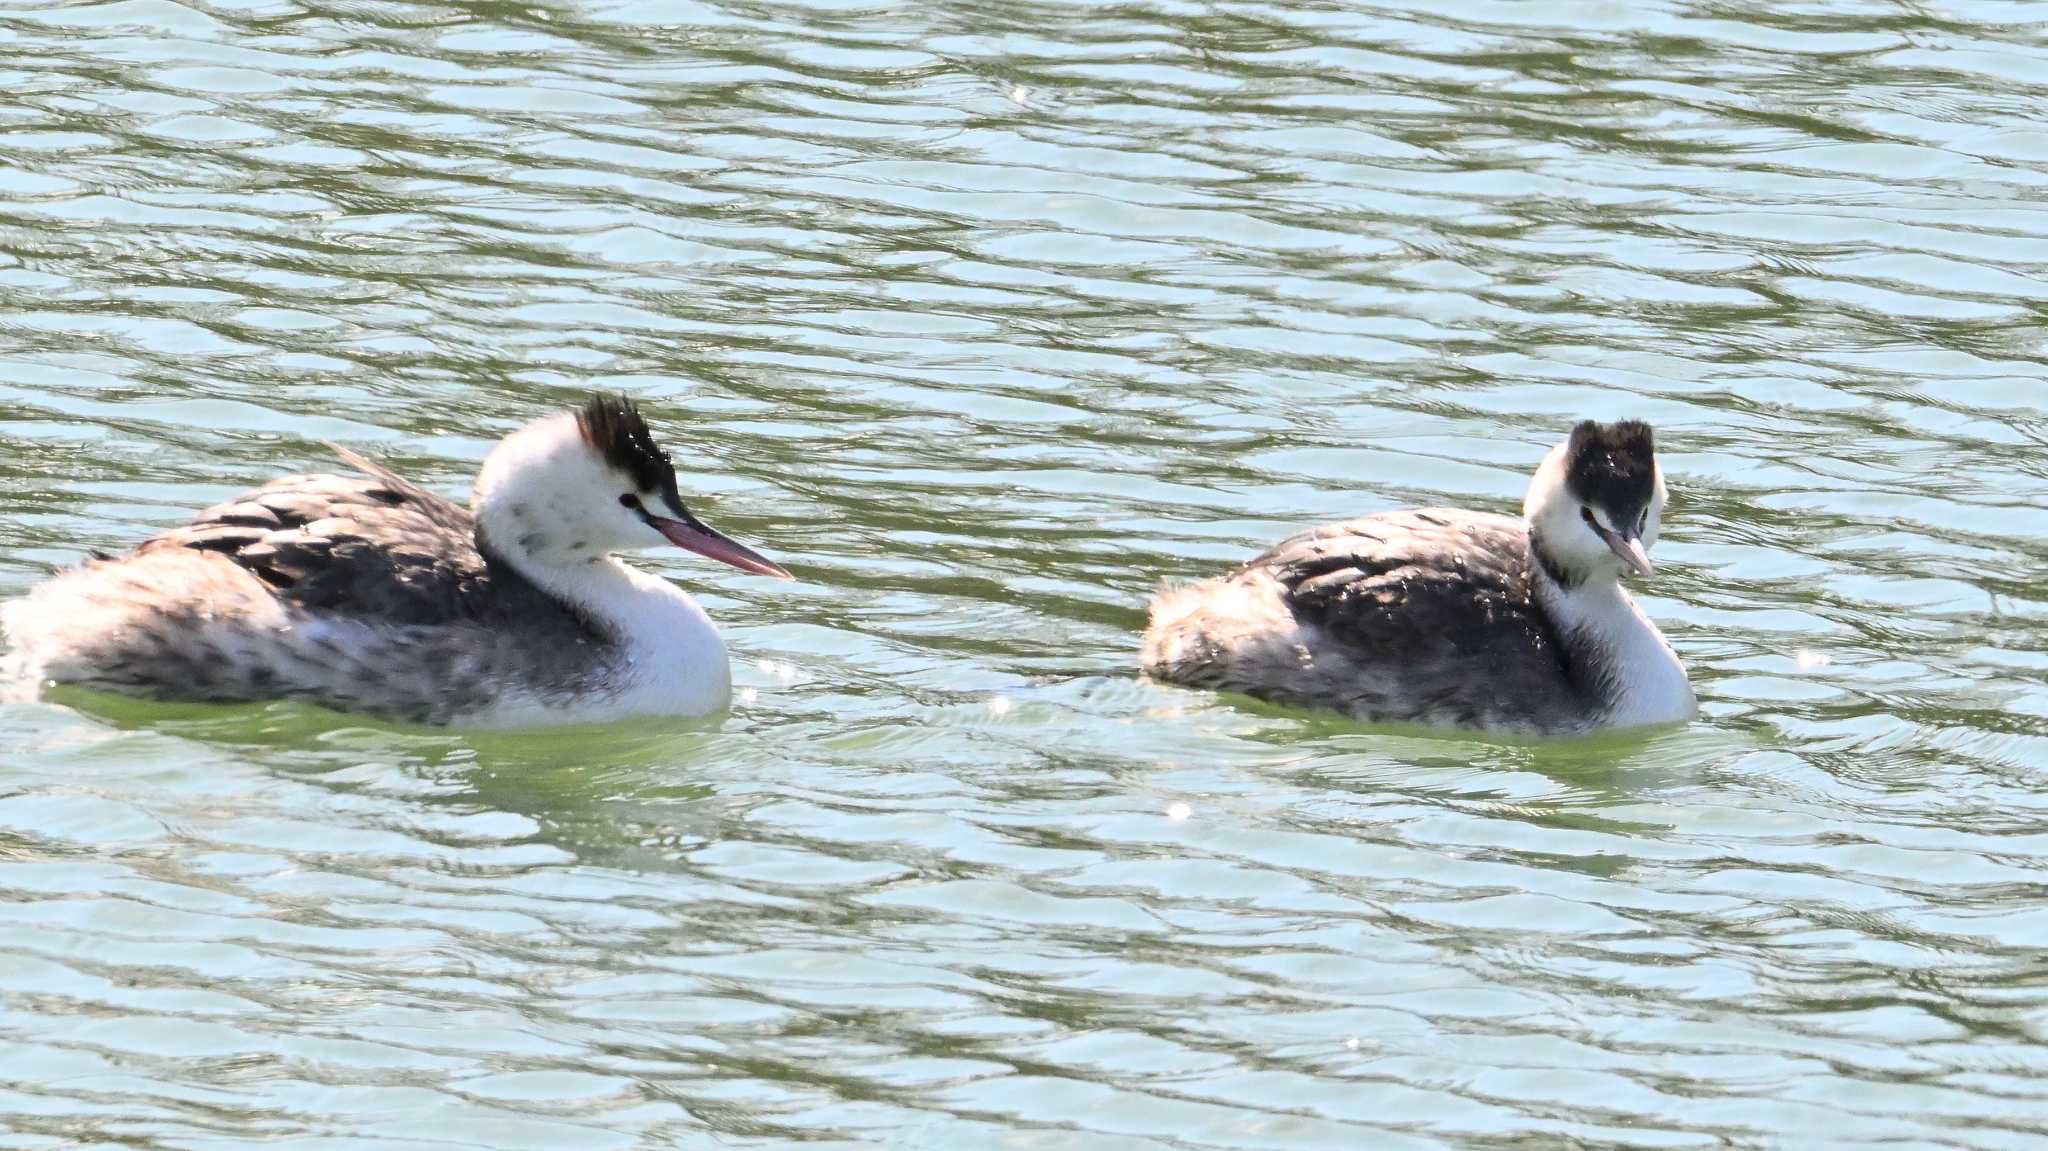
x,y
1442,595
375,545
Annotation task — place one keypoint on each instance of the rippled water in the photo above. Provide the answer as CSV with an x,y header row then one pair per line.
x,y
985,318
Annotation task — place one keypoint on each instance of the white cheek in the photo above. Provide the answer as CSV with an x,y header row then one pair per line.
x,y
1568,536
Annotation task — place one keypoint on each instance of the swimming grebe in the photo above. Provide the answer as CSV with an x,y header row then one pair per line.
x,y
373,595
1451,618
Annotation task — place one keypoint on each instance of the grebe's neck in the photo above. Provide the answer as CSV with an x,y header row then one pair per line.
x,y
1615,653
665,655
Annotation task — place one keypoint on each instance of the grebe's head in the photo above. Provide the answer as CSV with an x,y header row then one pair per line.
x,y
1595,503
577,486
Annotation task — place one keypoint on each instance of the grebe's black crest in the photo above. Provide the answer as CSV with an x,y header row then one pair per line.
x,y
614,428
1612,467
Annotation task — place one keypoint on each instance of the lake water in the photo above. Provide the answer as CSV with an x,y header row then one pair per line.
x,y
984,318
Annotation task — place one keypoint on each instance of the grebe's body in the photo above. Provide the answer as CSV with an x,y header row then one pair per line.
x,y
1451,618
370,594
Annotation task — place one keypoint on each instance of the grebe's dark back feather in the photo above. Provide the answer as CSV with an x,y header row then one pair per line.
x,y
1433,593
380,547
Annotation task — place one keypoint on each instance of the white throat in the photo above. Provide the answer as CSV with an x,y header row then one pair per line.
x,y
670,659
1643,680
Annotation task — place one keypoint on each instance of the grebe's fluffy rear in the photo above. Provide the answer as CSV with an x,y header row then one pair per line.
x,y
1451,618
370,594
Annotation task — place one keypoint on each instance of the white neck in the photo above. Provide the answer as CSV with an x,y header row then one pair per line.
x,y
1642,679
671,660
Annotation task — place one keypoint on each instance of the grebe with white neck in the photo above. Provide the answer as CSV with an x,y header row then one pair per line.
x,y
1449,618
370,594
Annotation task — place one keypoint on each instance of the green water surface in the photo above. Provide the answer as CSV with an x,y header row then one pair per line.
x,y
984,318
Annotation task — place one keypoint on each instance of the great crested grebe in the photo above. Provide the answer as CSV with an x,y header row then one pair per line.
x,y
1451,618
370,594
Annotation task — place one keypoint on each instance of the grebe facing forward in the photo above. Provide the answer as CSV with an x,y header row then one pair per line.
x,y
1452,618
370,594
